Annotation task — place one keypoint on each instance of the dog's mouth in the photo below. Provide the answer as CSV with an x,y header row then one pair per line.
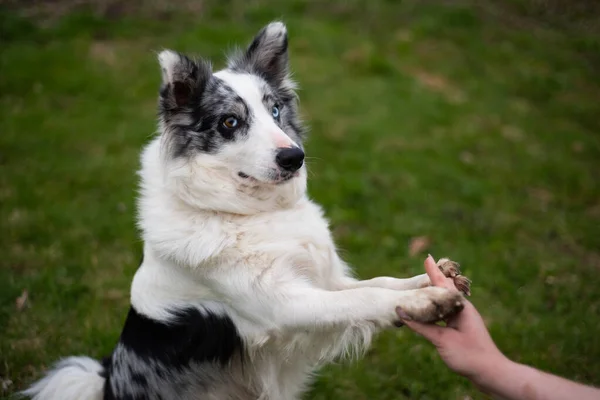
x,y
287,177
279,179
245,176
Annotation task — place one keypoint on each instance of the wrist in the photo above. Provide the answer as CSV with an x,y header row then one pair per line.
x,y
492,369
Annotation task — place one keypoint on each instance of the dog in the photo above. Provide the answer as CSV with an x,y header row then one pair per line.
x,y
241,293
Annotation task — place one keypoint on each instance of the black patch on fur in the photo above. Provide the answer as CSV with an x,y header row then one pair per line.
x,y
108,393
105,367
159,351
192,112
191,336
139,378
197,124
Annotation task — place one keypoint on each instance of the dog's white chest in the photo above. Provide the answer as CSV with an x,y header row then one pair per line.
x,y
297,238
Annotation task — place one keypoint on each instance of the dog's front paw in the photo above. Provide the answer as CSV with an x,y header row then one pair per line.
x,y
432,304
451,269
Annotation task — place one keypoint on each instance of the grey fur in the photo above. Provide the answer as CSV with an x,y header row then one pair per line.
x,y
194,123
135,377
266,56
191,108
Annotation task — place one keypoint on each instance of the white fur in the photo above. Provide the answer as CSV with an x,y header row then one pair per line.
x,y
74,378
260,253
255,250
254,155
168,61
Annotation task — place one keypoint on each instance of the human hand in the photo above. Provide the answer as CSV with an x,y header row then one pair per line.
x,y
464,344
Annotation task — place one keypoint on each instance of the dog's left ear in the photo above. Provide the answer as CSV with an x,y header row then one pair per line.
x,y
267,55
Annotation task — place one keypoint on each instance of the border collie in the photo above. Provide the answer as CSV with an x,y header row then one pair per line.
x,y
241,293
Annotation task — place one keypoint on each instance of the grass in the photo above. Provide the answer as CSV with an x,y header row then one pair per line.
x,y
475,126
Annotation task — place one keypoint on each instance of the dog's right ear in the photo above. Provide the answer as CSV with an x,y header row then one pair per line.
x,y
183,79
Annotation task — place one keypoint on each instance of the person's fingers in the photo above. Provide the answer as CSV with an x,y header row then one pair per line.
x,y
449,284
436,276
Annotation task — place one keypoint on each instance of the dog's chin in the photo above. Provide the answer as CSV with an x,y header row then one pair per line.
x,y
279,179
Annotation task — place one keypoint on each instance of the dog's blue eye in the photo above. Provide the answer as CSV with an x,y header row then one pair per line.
x,y
275,112
230,122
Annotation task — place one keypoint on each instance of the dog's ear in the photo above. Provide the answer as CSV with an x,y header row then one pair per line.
x,y
267,55
183,79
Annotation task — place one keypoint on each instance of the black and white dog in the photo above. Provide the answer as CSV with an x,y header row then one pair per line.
x,y
241,293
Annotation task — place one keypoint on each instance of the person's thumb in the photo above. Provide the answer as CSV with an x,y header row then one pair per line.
x,y
434,333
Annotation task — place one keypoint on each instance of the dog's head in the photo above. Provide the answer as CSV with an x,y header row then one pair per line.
x,y
232,139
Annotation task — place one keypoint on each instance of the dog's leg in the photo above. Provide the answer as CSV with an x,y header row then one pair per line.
x,y
318,307
416,282
449,268
292,306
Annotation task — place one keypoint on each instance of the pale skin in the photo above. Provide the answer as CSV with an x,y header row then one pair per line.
x,y
467,348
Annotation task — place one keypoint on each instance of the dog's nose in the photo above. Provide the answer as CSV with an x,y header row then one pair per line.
x,y
290,159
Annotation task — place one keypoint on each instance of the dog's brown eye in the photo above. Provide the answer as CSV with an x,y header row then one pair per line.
x,y
230,122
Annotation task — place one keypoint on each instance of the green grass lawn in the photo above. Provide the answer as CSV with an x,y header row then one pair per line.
x,y
477,127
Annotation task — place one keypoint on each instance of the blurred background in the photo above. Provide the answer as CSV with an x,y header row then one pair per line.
x,y
468,129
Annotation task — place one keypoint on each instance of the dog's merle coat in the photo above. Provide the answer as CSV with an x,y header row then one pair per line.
x,y
196,353
184,356
194,102
241,294
158,360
